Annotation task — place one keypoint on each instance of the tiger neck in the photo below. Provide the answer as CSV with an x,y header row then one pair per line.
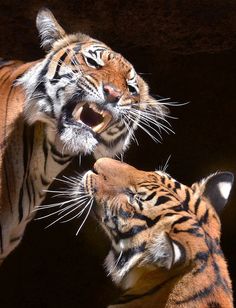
x,y
149,285
192,285
45,161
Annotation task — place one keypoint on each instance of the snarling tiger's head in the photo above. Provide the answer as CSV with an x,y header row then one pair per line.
x,y
151,219
90,96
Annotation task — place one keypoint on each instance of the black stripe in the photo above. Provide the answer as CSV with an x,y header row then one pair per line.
x,y
26,140
162,199
20,203
187,199
150,222
169,214
181,220
67,75
193,231
130,233
125,214
163,180
58,91
25,148
151,196
214,305
60,61
201,257
33,194
177,185
5,165
204,218
219,279
28,192
5,138
197,205
128,254
41,89
28,137
198,295
178,208
91,83
45,153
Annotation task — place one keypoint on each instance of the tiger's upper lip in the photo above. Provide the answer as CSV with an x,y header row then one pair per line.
x,y
91,115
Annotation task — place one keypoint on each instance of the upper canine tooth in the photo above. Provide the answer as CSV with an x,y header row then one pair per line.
x,y
94,107
77,112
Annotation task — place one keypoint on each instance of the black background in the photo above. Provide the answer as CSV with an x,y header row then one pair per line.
x,y
187,51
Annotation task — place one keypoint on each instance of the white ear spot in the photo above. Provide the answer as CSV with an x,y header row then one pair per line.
x,y
177,253
224,188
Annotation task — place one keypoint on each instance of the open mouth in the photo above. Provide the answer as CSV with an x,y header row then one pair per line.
x,y
90,115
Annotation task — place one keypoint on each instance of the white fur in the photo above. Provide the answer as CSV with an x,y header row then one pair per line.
x,y
177,253
49,29
225,188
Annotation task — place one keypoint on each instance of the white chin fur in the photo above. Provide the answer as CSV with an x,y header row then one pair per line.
x,y
75,142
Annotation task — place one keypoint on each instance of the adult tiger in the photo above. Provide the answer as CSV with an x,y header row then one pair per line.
x,y
165,236
82,98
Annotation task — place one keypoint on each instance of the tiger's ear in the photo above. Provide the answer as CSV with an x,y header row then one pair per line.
x,y
165,252
216,188
49,29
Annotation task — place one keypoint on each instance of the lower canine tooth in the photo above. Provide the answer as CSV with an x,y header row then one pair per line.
x,y
102,126
97,128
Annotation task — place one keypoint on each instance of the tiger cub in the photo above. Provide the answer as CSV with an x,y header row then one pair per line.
x,y
165,236
82,98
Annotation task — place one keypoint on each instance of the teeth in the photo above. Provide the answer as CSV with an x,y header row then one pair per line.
x,y
77,112
101,126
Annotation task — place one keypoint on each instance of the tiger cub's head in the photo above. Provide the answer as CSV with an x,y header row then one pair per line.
x,y
90,96
152,220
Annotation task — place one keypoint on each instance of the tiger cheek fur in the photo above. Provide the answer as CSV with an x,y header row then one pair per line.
x,y
165,236
90,96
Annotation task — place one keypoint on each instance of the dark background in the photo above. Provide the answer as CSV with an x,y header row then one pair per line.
x,y
187,51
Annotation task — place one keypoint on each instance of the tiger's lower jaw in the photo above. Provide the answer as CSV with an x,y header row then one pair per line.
x,y
73,141
76,141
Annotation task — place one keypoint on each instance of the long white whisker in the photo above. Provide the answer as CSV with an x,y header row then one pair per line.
x,y
66,214
115,265
167,163
60,204
91,201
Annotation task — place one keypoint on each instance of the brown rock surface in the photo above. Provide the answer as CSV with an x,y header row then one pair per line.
x,y
187,50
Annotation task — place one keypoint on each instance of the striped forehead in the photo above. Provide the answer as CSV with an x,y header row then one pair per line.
x,y
160,182
95,50
69,55
166,180
61,59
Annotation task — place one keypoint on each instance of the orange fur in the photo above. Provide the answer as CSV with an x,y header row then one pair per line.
x,y
165,236
82,98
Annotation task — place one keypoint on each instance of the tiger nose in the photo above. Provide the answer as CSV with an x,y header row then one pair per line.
x,y
112,95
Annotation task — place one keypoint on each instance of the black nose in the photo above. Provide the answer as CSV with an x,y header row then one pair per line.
x,y
111,93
